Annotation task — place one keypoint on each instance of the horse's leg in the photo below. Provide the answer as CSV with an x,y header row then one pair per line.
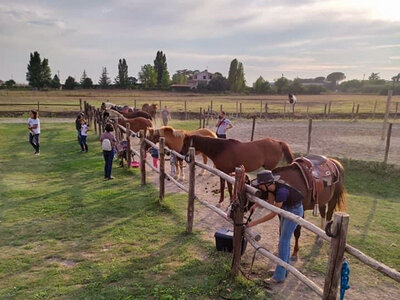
x,y
222,188
181,167
296,233
230,191
322,211
176,176
205,162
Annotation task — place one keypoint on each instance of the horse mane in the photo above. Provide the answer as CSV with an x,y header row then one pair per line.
x,y
174,132
212,146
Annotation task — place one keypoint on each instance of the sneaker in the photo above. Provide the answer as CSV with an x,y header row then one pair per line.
x,y
111,177
37,153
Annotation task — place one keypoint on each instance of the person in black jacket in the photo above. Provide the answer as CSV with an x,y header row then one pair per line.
x,y
78,125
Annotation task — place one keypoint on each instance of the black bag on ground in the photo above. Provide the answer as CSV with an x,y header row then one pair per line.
x,y
224,240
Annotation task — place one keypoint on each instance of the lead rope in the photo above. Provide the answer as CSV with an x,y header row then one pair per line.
x,y
344,279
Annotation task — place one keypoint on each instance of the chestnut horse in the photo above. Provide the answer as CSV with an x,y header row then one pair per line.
x,y
333,195
151,109
136,124
227,154
174,140
126,111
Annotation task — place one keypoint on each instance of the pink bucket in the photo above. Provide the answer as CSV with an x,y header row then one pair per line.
x,y
135,164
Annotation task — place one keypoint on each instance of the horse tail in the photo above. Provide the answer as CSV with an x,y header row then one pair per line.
x,y
340,191
287,153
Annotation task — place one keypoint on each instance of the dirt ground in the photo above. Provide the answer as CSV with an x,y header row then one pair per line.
x,y
341,139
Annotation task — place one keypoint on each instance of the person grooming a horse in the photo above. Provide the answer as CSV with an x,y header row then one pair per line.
x,y
223,125
281,194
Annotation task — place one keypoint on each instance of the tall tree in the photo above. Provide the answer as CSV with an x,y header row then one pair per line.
x,y
83,77
282,85
296,87
55,82
70,83
180,77
236,80
261,86
33,76
122,79
232,73
218,83
160,66
374,76
165,80
46,73
148,76
335,77
104,80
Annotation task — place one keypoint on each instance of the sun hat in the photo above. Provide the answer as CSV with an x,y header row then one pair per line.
x,y
265,177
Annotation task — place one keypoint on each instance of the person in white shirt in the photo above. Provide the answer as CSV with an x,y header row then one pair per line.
x,y
223,125
84,130
34,130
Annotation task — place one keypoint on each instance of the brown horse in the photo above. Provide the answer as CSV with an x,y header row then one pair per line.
x,y
150,109
333,195
174,140
136,124
227,154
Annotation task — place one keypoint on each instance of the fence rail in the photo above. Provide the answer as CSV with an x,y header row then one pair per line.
x,y
338,241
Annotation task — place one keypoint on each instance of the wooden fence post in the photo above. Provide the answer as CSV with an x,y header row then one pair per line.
x,y
309,136
252,128
325,110
38,106
208,115
220,109
374,111
204,120
185,111
142,157
237,110
266,110
293,111
191,196
385,121
261,108
338,244
134,104
284,110
128,141
80,104
357,110
329,109
308,109
162,168
240,115
389,133
201,111
397,109
94,119
211,107
352,111
238,229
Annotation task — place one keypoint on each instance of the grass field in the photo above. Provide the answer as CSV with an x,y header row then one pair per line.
x,y
341,104
67,234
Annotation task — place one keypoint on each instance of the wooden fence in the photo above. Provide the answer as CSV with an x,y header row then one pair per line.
x,y
38,105
338,232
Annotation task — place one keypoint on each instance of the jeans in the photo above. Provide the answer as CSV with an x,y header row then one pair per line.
x,y
79,139
108,158
221,136
34,141
84,146
287,228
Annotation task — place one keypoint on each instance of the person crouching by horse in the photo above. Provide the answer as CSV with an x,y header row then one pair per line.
x,y
282,195
108,143
223,124
34,130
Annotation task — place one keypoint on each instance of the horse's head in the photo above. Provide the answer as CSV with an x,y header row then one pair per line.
x,y
153,135
187,143
154,106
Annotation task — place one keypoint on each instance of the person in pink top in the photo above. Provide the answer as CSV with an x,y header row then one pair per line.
x,y
108,145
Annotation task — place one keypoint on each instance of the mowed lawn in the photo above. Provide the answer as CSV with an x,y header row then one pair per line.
x,y
67,234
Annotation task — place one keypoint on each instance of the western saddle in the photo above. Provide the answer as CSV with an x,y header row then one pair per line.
x,y
318,172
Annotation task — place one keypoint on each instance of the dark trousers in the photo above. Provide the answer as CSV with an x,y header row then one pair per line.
x,y
83,143
221,136
34,141
108,159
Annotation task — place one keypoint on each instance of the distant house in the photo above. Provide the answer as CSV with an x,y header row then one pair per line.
x,y
193,82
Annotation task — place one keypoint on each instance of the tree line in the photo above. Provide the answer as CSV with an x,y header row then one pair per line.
x,y
156,76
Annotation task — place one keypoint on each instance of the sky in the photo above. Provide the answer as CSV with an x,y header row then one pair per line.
x,y
296,38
